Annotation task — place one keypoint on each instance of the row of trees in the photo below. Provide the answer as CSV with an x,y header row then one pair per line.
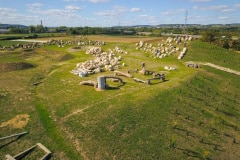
x,y
30,29
92,30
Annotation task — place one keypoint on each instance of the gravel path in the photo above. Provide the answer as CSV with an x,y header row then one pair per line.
x,y
221,68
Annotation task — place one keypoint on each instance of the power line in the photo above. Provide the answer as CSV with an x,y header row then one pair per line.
x,y
185,22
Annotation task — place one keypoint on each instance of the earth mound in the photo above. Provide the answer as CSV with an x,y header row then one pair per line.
x,y
14,66
66,57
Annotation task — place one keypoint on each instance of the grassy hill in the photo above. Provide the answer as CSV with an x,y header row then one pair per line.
x,y
194,114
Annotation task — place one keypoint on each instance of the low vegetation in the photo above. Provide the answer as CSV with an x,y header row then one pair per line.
x,y
193,114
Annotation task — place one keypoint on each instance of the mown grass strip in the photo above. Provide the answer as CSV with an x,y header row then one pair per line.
x,y
54,133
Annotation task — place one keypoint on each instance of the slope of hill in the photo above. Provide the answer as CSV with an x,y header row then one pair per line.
x,y
194,114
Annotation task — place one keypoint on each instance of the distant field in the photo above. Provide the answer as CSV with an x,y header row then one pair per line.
x,y
123,39
194,114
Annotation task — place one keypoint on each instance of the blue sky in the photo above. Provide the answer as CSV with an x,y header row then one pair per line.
x,y
105,13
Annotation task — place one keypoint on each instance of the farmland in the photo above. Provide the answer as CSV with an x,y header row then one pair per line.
x,y
194,114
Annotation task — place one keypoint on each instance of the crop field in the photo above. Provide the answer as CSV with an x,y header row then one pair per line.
x,y
193,114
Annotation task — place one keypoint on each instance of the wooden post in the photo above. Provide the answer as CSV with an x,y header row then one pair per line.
x,y
27,151
14,135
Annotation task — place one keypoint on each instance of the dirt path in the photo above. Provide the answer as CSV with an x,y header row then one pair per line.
x,y
221,68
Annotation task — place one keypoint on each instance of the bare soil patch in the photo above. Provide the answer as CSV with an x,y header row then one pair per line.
x,y
14,66
66,57
20,121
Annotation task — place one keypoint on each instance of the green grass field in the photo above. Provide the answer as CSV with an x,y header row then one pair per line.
x,y
194,114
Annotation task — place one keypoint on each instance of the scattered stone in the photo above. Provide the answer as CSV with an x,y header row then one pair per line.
x,y
139,80
118,73
169,68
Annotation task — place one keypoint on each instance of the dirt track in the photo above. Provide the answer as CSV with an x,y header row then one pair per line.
x,y
221,68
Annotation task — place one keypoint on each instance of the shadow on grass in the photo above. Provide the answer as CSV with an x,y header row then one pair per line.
x,y
192,153
116,87
14,66
152,83
9,142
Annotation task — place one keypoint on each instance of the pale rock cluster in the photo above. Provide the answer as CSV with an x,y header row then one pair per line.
x,y
103,61
166,48
59,42
94,51
182,54
169,68
89,43
120,51
22,46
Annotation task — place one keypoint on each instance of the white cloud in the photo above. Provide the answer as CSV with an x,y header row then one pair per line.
x,y
237,6
73,8
135,10
143,16
34,5
148,19
211,8
174,12
98,1
127,16
92,1
228,10
200,0
120,9
117,11
14,18
70,0
223,17
107,13
69,16
54,12
69,10
7,10
201,20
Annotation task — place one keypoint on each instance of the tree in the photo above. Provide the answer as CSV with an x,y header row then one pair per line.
x,y
39,29
223,42
16,30
235,44
32,29
61,29
208,36
193,30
